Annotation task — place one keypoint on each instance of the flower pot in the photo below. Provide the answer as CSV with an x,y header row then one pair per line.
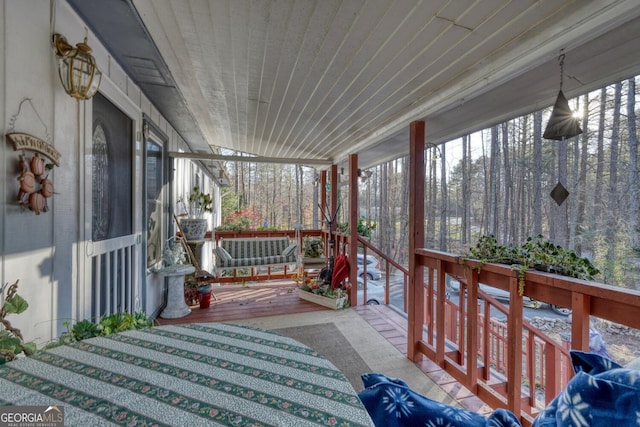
x,y
194,228
205,299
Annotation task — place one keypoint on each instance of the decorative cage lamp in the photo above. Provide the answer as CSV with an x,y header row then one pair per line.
x,y
77,68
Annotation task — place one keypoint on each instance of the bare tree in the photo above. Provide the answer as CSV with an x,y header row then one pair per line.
x,y
385,208
633,225
444,200
403,237
466,190
493,183
599,178
582,179
612,198
536,178
522,183
432,199
507,219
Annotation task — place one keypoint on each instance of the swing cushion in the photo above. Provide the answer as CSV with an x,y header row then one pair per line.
x,y
290,250
223,254
255,252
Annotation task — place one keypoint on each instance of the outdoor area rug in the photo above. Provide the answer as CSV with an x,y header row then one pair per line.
x,y
327,340
352,345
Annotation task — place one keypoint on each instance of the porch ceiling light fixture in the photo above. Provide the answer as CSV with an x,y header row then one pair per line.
x,y
562,123
77,68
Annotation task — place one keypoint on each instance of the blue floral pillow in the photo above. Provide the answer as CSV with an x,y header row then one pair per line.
x,y
602,393
391,403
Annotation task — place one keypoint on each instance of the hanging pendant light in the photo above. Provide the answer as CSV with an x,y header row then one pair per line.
x,y
562,123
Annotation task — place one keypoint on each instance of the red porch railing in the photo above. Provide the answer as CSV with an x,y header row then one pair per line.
x,y
510,365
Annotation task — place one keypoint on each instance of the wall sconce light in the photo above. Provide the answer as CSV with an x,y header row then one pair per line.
x,y
77,68
562,123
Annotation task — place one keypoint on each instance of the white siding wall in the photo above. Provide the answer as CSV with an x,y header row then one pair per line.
x,y
47,252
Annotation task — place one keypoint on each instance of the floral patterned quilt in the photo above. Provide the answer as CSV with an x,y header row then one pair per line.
x,y
391,403
602,393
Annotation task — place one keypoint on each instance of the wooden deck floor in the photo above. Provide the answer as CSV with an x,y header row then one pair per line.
x,y
235,302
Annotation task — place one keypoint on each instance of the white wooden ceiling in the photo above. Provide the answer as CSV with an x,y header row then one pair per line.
x,y
321,79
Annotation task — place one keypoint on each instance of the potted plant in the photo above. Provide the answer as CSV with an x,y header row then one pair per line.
x,y
191,294
194,225
364,228
313,247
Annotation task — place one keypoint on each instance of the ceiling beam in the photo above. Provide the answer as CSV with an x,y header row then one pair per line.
x,y
256,159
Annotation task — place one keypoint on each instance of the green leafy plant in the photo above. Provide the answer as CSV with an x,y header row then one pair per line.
x,y
543,255
536,253
84,329
119,322
364,227
107,325
11,341
313,247
198,203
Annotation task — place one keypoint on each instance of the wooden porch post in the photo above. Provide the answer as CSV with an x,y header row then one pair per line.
x,y
416,238
323,194
334,190
514,347
581,307
353,233
333,204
